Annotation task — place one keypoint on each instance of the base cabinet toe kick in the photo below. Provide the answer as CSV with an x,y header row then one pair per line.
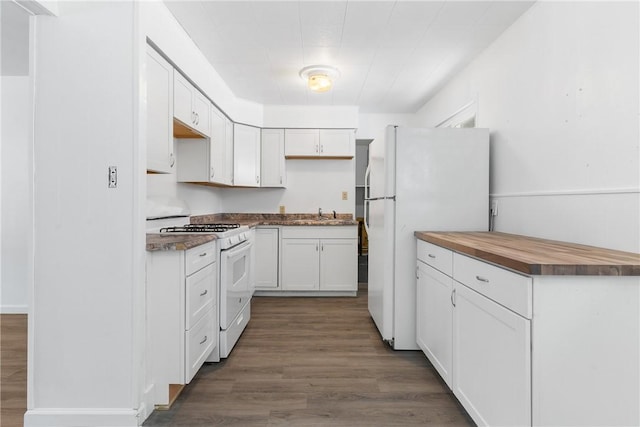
x,y
530,350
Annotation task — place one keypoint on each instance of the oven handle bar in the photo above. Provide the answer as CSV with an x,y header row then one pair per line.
x,y
232,251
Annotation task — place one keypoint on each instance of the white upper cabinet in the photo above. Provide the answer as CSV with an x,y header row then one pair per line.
x,y
272,169
191,108
160,157
246,156
220,171
319,143
337,143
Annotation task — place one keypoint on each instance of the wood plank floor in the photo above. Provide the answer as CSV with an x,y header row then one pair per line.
x,y
13,369
314,362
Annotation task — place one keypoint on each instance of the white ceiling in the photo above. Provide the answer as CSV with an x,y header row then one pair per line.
x,y
392,55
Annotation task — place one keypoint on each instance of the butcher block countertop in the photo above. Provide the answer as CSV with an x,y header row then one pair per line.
x,y
537,256
176,242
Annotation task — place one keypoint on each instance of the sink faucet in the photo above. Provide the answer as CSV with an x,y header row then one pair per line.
x,y
335,215
320,212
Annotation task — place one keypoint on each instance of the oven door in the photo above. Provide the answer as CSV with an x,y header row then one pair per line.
x,y
235,292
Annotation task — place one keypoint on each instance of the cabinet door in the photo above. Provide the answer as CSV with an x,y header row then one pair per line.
x,y
434,317
301,142
300,264
228,162
491,360
266,258
160,157
272,168
218,155
246,155
182,102
339,264
201,111
337,143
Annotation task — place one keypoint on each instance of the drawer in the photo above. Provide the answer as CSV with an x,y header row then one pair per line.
x,y
199,342
198,257
508,289
436,256
200,294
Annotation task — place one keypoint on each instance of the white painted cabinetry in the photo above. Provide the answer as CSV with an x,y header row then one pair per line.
x,y
319,143
190,106
536,350
319,258
160,157
266,244
434,308
221,150
272,171
182,314
246,155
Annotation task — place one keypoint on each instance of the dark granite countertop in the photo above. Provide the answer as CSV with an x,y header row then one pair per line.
x,y
176,242
295,219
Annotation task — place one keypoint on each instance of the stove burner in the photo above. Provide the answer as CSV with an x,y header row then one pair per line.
x,y
200,228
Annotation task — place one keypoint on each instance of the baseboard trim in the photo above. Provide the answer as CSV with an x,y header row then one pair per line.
x,y
14,309
73,417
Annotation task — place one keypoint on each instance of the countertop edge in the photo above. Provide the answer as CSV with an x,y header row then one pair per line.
x,y
528,268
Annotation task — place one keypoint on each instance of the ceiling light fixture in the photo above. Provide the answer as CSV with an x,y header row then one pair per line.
x,y
319,78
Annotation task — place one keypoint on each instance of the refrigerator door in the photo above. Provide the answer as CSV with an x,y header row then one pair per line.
x,y
442,184
381,266
380,228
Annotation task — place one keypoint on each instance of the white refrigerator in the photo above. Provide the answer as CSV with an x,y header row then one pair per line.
x,y
418,180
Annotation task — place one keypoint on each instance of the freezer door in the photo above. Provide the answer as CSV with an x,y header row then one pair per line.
x,y
382,164
381,265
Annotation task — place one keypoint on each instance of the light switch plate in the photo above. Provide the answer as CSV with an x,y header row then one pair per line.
x,y
113,176
345,195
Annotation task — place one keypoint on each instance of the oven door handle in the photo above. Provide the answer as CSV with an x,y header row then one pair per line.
x,y
229,253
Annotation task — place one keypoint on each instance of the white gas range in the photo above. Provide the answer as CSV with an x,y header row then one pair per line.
x,y
235,279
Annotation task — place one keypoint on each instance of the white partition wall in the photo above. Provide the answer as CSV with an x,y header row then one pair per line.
x,y
559,90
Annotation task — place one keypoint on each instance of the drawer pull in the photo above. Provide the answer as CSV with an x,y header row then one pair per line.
x,y
240,319
432,256
206,291
482,279
453,297
203,254
204,340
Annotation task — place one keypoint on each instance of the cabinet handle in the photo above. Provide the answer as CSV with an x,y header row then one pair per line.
x,y
213,173
417,272
203,254
193,117
316,247
204,340
172,160
482,279
280,179
322,247
316,148
257,179
453,297
197,119
206,291
432,256
321,148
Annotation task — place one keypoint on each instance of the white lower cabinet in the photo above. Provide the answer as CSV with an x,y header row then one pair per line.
x,y
266,258
319,258
530,350
182,315
491,360
434,317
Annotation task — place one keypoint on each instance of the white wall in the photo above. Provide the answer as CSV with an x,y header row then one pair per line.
x,y
372,126
86,339
310,116
17,226
559,90
311,184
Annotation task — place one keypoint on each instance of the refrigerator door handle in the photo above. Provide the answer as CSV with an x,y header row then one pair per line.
x,y
366,226
367,175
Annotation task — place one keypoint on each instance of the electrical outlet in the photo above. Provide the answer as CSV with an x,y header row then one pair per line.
x,y
113,176
281,209
494,208
345,195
